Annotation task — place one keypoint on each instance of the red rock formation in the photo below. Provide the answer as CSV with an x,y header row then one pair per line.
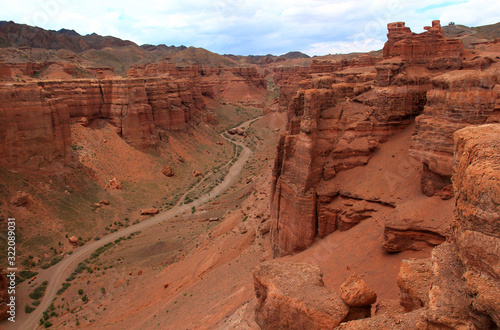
x,y
73,240
114,184
356,293
20,199
5,72
458,286
415,281
35,117
151,211
293,296
167,171
459,99
431,49
477,217
34,129
332,128
358,296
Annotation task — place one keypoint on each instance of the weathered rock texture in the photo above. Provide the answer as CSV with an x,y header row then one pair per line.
x,y
35,117
457,287
34,129
477,216
293,296
431,49
337,118
458,99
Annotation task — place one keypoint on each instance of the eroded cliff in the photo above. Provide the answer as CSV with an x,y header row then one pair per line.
x,y
338,118
35,131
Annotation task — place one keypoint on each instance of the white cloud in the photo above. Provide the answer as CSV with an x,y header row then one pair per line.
x,y
249,27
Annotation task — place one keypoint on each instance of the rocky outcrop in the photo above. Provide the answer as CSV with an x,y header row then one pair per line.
x,y
414,282
430,49
293,296
151,211
5,72
337,120
458,99
292,78
417,225
167,171
358,296
35,117
20,198
34,129
457,287
477,216
334,126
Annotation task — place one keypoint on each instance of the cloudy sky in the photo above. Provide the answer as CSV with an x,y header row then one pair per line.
x,y
315,27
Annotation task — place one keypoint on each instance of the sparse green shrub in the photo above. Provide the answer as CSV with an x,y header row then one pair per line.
x,y
38,292
62,289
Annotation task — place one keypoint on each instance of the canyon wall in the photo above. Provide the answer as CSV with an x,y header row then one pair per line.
x,y
336,119
35,116
458,286
476,178
458,99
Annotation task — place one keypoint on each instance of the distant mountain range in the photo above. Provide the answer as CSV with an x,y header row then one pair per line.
x,y
121,54
111,51
22,35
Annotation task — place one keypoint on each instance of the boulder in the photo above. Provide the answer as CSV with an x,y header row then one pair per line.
x,y
150,211
167,171
84,121
356,293
21,198
73,240
293,296
114,184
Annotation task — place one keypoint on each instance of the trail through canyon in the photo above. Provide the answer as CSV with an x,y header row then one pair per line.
x,y
58,273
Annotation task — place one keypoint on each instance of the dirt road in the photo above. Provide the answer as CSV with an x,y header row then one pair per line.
x,y
57,274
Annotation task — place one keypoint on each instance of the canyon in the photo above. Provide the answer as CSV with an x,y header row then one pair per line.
x,y
367,196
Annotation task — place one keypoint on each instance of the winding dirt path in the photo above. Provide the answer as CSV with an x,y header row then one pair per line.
x,y
57,274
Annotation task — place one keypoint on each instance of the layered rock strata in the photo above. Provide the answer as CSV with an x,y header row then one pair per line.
x,y
430,49
457,287
35,117
293,296
458,99
334,126
35,133
337,120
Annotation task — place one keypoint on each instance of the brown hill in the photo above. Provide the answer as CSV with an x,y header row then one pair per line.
x,y
472,35
201,56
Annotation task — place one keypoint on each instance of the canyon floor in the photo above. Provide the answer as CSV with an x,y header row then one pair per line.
x,y
194,270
